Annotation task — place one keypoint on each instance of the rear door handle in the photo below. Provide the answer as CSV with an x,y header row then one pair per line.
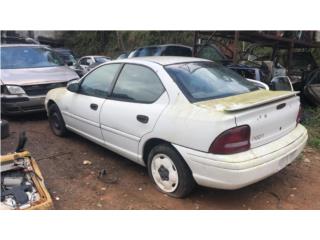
x,y
143,118
94,106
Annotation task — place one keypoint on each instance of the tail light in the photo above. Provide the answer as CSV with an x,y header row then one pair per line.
x,y
234,140
299,116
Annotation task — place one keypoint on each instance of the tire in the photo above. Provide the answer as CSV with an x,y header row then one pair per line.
x,y
56,121
4,129
169,171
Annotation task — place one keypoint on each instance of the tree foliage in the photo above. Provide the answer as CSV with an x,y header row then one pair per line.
x,y
112,43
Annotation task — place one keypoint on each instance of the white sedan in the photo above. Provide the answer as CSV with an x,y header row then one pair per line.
x,y
188,120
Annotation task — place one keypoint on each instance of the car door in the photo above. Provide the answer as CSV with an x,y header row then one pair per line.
x,y
82,112
136,102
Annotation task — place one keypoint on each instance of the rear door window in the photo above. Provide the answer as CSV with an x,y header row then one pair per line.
x,y
137,84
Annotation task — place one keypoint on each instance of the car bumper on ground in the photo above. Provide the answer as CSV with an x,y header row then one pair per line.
x,y
21,104
239,170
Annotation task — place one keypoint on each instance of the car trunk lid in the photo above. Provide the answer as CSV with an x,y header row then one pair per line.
x,y
270,114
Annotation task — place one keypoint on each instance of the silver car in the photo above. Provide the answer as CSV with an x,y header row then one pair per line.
x,y
28,72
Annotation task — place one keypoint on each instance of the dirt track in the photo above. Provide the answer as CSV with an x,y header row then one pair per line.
x,y
126,185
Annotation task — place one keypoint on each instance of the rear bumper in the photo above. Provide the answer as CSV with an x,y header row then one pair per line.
x,y
13,105
239,170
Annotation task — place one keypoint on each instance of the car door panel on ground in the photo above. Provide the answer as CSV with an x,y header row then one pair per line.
x,y
137,100
83,109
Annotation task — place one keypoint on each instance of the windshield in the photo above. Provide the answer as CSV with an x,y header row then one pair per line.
x,y
201,81
28,57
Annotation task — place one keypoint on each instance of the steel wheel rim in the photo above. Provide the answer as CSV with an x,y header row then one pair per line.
x,y
164,173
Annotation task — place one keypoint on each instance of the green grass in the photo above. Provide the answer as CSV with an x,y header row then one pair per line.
x,y
312,123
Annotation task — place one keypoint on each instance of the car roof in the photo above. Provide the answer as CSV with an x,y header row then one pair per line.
x,y
165,45
62,49
163,60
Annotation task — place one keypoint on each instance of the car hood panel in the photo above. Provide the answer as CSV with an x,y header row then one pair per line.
x,y
32,76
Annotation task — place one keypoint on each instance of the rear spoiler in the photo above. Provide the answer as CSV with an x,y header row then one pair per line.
x,y
242,106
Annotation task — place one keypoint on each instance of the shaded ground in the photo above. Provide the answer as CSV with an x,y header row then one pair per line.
x,y
74,185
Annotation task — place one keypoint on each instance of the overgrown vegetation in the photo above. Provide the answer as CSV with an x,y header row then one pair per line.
x,y
113,43
312,123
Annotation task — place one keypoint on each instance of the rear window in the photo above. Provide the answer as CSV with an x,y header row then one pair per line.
x,y
177,51
149,51
201,81
29,57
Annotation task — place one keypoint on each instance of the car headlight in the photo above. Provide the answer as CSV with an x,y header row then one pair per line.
x,y
15,90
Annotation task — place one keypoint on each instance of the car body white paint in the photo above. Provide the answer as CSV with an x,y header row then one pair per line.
x,y
276,139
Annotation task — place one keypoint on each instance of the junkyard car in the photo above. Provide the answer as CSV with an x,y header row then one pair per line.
x,y
189,120
162,50
28,72
86,63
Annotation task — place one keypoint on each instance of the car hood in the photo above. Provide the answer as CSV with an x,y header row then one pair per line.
x,y
32,76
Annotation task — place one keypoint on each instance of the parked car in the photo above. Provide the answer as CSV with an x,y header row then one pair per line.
x,y
162,50
123,55
67,56
189,120
28,72
86,63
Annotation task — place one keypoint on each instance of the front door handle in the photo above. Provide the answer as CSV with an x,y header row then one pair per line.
x,y
143,118
94,106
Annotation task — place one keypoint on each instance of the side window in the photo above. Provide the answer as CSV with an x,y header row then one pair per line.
x,y
83,61
98,82
137,84
89,61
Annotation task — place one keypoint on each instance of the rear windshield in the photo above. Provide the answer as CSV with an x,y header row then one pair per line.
x,y
177,51
28,57
201,81
149,51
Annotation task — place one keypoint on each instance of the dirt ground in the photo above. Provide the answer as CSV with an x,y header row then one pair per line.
x,y
126,185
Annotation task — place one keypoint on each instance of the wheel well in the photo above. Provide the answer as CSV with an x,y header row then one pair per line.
x,y
151,143
50,102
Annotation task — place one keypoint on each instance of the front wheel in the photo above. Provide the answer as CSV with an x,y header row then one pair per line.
x,y
169,171
56,121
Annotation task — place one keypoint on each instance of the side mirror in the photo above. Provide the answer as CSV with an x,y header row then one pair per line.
x,y
73,86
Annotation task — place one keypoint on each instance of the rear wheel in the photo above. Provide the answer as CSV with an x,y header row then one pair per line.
x,y
169,171
56,121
